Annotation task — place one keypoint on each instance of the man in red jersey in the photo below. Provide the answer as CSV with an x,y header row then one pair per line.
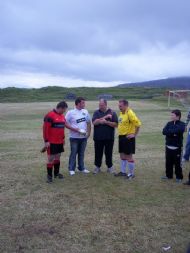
x,y
54,135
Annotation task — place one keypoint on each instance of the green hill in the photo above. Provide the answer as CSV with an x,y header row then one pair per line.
x,y
60,93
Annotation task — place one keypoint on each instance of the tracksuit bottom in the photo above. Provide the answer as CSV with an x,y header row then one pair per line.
x,y
103,146
173,159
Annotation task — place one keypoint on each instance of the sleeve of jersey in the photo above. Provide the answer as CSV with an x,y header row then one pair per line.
x,y
64,123
134,119
115,118
88,118
67,117
46,127
95,116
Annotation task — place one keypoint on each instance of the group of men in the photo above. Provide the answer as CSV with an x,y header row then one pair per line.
x,y
78,121
105,120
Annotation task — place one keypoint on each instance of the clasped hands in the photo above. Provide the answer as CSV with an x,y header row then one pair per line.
x,y
103,120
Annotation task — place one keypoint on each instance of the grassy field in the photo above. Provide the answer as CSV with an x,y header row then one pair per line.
x,y
87,213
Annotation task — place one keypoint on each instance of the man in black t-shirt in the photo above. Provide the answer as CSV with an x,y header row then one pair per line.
x,y
104,120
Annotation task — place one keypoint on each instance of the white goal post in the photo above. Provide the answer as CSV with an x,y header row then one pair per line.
x,y
181,95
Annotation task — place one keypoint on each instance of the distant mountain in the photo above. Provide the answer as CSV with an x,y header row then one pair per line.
x,y
175,83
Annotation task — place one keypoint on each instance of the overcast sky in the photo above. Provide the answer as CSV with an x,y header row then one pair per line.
x,y
92,42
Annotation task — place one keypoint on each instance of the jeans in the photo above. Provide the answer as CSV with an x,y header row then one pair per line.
x,y
77,148
187,147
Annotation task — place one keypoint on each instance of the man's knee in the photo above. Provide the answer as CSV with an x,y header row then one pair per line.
x,y
51,158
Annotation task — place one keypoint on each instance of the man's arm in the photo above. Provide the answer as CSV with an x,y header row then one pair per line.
x,y
129,136
68,117
137,123
165,130
72,128
110,123
137,130
98,121
173,129
114,120
134,119
88,129
67,123
46,130
106,120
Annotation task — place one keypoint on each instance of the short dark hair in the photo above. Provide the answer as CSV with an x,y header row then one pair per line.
x,y
78,100
177,113
62,104
124,101
104,100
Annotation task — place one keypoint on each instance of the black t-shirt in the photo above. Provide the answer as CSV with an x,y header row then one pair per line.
x,y
104,132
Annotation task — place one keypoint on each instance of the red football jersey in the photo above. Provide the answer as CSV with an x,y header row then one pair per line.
x,y
53,127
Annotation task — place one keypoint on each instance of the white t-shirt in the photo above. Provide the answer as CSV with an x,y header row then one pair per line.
x,y
78,119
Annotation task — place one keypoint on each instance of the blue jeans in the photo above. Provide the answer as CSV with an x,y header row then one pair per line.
x,y
187,147
78,147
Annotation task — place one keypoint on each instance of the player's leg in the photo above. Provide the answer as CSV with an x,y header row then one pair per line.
x,y
108,155
50,160
123,157
73,154
81,152
57,166
169,163
177,162
131,162
98,148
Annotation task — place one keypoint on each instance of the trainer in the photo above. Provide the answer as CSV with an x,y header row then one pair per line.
x,y
54,135
104,120
128,128
78,118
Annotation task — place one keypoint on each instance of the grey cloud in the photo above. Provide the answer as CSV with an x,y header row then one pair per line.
x,y
95,40
93,26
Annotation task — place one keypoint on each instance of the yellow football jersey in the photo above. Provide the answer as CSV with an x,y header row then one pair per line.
x,y
127,122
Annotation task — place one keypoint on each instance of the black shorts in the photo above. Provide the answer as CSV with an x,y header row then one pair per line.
x,y
126,146
55,149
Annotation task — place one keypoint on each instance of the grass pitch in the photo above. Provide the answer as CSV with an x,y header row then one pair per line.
x,y
88,213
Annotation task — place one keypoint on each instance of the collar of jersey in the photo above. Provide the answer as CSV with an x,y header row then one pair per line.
x,y
125,111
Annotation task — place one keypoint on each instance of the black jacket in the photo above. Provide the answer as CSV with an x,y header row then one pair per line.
x,y
174,133
104,132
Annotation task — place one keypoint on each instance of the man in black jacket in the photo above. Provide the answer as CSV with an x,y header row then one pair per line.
x,y
105,121
173,131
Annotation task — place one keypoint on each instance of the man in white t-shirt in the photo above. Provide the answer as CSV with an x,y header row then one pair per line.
x,y
78,118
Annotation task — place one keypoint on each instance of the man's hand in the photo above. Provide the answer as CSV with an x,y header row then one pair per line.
x,y
129,136
102,121
108,116
87,135
82,132
45,147
47,144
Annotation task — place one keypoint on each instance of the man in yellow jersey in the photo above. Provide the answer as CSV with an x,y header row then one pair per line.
x,y
128,128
